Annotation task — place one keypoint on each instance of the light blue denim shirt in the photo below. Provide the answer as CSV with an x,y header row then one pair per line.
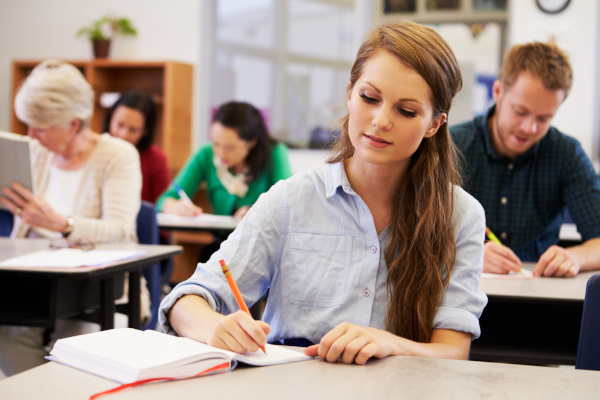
x,y
312,242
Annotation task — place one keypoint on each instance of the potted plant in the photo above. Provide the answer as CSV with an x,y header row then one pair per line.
x,y
101,31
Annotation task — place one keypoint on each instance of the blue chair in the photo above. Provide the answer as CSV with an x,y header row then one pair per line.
x,y
147,231
6,223
588,351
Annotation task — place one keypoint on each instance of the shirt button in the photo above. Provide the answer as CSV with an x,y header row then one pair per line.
x,y
503,235
510,166
373,249
366,292
503,200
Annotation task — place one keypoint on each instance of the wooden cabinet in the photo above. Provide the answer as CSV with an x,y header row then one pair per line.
x,y
169,83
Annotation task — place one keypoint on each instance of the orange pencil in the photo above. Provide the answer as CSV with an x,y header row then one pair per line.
x,y
236,292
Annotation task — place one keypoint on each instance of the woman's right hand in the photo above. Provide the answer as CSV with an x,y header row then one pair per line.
x,y
192,317
180,207
239,332
33,210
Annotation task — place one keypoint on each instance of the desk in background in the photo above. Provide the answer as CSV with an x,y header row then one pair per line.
x,y
193,233
390,378
531,320
39,296
201,223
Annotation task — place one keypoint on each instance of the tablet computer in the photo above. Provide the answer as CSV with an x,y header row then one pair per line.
x,y
15,160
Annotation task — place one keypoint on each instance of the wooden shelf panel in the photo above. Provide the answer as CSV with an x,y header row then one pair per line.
x,y
169,83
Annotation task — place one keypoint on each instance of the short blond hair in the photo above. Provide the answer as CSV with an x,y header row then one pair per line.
x,y
54,94
544,60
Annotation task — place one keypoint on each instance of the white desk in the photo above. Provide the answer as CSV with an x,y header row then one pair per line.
x,y
203,222
61,293
538,288
531,320
390,378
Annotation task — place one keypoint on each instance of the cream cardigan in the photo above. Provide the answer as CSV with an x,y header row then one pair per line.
x,y
108,199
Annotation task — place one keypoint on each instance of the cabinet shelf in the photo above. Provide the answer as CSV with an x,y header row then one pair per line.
x,y
169,83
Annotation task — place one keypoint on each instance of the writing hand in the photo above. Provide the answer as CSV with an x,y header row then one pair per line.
x,y
33,210
239,332
181,207
354,343
499,259
557,261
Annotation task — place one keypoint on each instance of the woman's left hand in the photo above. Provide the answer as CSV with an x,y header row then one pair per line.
x,y
354,343
33,210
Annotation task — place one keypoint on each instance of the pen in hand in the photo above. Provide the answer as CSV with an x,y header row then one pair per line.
x,y
491,236
236,292
182,195
495,239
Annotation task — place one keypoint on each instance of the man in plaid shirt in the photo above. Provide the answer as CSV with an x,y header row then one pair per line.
x,y
526,173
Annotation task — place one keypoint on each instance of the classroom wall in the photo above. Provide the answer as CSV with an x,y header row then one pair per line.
x,y
576,31
38,29
180,30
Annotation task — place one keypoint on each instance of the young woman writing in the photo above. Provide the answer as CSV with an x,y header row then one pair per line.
x,y
377,253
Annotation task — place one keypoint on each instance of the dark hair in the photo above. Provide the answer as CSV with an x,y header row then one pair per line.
x,y
143,103
421,249
247,121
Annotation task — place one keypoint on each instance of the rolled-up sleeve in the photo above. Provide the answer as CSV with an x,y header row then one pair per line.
x,y
252,253
464,301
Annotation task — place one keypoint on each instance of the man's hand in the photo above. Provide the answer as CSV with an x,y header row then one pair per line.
x,y
499,259
557,261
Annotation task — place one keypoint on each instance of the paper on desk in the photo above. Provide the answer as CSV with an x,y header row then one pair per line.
x,y
511,275
70,258
164,218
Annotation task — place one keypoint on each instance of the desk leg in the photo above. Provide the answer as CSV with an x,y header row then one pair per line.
x,y
107,301
134,299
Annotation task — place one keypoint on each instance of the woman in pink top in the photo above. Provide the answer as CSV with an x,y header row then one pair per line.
x,y
132,118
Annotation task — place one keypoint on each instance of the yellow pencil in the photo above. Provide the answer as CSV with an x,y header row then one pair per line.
x,y
494,239
236,292
491,236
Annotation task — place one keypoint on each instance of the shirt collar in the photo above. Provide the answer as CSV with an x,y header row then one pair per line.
x,y
489,146
335,177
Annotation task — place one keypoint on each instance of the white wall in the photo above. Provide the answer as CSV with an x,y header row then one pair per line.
x,y
38,29
180,30
576,31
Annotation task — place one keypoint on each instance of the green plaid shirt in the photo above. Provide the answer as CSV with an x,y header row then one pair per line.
x,y
525,199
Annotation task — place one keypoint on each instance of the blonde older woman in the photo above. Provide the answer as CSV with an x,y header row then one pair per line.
x,y
87,185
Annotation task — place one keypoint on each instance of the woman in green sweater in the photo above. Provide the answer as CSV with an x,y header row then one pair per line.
x,y
242,162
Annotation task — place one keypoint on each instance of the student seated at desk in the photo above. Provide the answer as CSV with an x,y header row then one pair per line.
x,y
87,188
526,173
377,253
242,162
132,118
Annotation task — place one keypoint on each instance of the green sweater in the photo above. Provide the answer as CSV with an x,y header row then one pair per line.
x,y
200,168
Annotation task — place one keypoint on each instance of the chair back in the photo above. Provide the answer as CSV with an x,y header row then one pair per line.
x,y
6,223
148,233
588,351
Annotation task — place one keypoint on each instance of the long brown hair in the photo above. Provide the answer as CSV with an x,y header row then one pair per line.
x,y
421,249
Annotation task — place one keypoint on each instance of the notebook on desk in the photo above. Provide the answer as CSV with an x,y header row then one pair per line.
x,y
15,160
129,355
